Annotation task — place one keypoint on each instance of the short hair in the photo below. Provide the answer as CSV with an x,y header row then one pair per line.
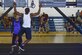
x,y
27,10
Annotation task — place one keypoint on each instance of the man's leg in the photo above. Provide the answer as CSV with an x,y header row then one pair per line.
x,y
13,43
28,35
14,39
21,32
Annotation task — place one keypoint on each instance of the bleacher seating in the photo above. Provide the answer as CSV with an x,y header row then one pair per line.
x,y
59,24
51,24
54,24
35,24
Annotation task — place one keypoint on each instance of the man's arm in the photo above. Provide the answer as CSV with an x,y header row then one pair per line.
x,y
15,10
37,13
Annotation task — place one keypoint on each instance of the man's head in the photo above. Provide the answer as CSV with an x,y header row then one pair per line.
x,y
27,10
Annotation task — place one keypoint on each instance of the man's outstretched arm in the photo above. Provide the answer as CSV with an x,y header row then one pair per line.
x,y
15,10
37,13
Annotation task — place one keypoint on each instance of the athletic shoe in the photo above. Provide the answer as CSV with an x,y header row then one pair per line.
x,y
12,49
14,46
21,48
19,52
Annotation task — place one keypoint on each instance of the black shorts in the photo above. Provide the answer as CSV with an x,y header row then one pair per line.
x,y
27,32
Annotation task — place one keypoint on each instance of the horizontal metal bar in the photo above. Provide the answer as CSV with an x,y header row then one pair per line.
x,y
71,3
